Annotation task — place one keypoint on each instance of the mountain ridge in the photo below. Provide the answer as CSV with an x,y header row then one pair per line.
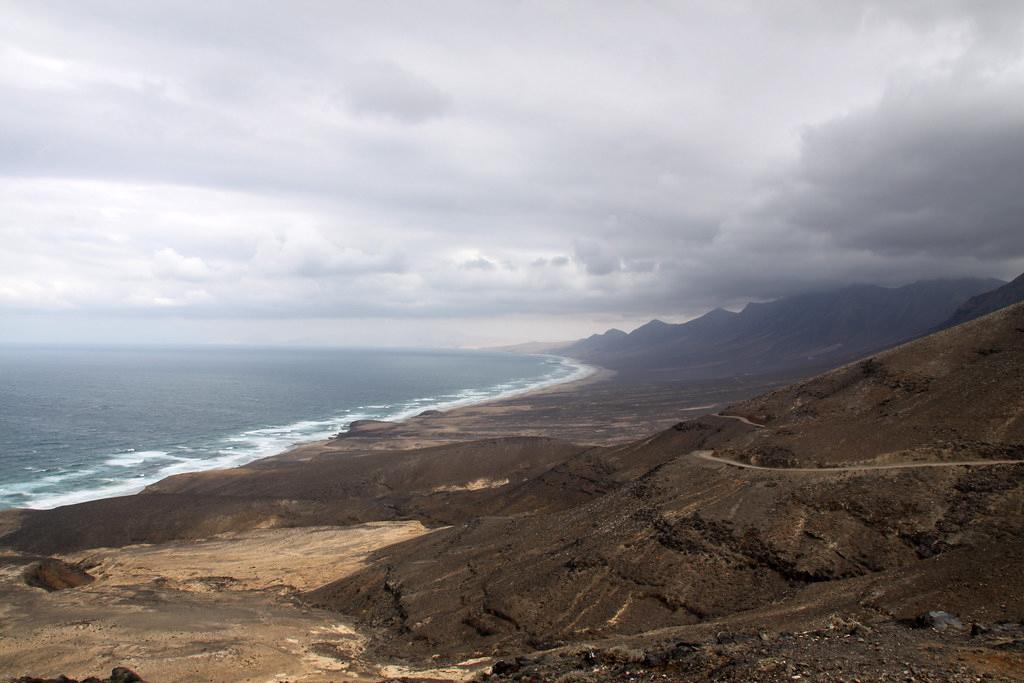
x,y
988,302
811,330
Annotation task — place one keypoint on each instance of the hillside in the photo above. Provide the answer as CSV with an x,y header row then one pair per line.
x,y
960,390
682,546
811,331
988,302
439,485
817,524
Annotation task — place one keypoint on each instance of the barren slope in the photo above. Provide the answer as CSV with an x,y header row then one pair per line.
x,y
989,302
681,542
955,394
436,485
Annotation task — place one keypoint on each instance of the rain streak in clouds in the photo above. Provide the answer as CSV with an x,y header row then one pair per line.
x,y
476,173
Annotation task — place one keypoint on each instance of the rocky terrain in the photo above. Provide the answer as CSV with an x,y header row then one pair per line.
x,y
865,524
117,675
678,546
840,650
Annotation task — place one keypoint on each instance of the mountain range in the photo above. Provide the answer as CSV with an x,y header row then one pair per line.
x,y
804,332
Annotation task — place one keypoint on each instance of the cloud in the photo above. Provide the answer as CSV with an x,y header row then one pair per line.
x,y
471,162
148,298
478,263
553,262
935,168
597,258
169,263
308,252
384,89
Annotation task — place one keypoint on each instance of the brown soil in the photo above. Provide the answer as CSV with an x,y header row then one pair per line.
x,y
803,542
221,609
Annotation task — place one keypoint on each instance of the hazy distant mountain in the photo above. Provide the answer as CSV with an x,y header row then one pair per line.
x,y
596,342
812,330
989,302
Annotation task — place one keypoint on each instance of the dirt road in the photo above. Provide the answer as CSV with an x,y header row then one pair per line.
x,y
709,455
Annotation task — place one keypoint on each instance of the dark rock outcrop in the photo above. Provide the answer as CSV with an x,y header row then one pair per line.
x,y
52,574
117,675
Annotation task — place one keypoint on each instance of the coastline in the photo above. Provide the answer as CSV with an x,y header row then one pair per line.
x,y
580,374
384,436
594,375
244,545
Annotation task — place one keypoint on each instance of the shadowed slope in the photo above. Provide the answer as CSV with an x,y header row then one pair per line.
x,y
953,393
683,542
437,485
989,302
807,332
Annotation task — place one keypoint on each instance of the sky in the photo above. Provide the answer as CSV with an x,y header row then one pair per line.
x,y
478,173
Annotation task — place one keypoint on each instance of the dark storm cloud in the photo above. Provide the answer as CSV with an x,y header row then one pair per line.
x,y
936,169
463,161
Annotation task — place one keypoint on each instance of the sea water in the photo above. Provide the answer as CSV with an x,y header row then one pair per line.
x,y
78,424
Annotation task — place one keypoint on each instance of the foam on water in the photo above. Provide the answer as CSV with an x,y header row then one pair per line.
x,y
128,471
53,500
133,457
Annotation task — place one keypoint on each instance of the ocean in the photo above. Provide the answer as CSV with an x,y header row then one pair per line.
x,y
78,424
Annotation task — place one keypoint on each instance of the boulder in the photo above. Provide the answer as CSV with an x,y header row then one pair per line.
x,y
52,574
939,620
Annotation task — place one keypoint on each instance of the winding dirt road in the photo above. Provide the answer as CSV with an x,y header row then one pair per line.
x,y
709,455
742,419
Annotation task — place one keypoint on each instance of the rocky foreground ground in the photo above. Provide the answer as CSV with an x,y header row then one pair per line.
x,y
117,675
844,650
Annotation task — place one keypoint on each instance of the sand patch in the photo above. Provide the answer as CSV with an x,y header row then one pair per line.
x,y
299,559
220,609
448,673
475,485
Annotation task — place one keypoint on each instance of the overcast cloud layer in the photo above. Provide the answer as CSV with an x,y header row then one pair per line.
x,y
473,173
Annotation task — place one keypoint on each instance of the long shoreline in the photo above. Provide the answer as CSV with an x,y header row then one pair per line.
x,y
594,374
581,373
540,386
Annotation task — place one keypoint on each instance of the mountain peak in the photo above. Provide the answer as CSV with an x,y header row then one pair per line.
x,y
718,314
611,333
812,330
